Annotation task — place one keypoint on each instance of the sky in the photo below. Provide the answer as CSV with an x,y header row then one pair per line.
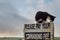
x,y
15,13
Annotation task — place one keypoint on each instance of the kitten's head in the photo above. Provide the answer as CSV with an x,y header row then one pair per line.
x,y
43,16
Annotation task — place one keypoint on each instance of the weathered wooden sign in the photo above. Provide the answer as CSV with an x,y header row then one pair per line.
x,y
41,31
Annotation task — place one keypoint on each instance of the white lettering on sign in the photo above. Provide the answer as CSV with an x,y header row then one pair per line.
x,y
41,35
34,36
46,35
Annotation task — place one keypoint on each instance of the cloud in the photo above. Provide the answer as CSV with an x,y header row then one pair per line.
x,y
10,22
56,31
54,9
48,1
15,13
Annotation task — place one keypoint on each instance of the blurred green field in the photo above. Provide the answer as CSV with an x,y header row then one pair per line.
x,y
16,38
56,38
10,38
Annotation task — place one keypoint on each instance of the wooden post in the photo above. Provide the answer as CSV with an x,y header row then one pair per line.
x,y
52,30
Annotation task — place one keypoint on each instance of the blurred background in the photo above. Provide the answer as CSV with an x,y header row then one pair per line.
x,y
15,13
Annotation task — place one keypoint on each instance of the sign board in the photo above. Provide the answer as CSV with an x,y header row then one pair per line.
x,y
43,31
37,36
